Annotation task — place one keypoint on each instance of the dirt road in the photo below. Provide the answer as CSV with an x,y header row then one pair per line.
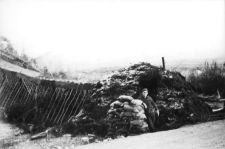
x,y
210,135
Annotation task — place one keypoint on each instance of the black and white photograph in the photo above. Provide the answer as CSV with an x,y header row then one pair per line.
x,y
112,74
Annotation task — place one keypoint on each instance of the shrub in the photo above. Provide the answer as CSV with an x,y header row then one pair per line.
x,y
211,79
20,113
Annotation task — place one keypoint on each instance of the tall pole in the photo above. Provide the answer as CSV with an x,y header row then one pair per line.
x,y
163,63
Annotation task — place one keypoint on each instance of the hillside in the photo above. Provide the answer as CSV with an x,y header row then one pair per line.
x,y
12,67
11,60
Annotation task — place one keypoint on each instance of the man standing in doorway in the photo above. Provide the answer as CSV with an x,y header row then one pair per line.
x,y
152,109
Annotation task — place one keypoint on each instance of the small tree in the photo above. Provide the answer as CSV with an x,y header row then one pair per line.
x,y
6,45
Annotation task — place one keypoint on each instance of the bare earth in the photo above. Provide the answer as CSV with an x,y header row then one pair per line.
x,y
210,135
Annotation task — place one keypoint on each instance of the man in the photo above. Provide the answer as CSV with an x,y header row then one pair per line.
x,y
151,110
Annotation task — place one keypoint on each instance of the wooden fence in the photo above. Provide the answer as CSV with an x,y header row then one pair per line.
x,y
53,102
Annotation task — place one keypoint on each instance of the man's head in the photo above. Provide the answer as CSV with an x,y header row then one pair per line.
x,y
144,92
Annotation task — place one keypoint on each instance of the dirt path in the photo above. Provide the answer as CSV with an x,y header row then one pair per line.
x,y
209,135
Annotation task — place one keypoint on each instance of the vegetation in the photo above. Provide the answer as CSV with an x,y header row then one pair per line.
x,y
10,54
209,79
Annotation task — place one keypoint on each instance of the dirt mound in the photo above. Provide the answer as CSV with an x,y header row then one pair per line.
x,y
138,76
50,103
177,102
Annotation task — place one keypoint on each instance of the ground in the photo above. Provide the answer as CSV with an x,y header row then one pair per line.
x,y
210,135
6,130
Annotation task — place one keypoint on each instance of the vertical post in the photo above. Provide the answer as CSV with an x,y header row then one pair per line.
x,y
163,63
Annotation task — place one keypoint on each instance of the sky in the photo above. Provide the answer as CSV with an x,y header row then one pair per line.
x,y
70,34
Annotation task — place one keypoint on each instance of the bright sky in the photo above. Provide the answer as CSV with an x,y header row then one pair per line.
x,y
97,33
